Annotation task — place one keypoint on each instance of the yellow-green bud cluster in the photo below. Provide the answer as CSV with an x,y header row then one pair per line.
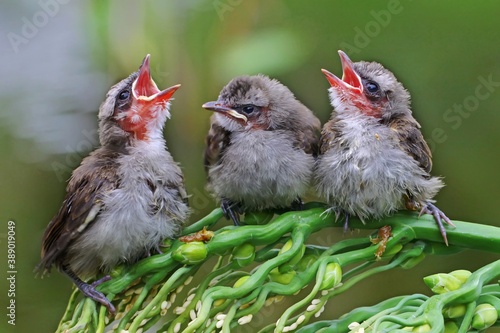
x,y
190,253
444,282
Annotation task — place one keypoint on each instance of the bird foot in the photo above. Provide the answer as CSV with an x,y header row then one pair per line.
x,y
231,211
156,250
439,217
90,291
346,222
297,204
338,213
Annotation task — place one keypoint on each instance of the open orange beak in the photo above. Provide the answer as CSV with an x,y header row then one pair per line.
x,y
350,84
144,88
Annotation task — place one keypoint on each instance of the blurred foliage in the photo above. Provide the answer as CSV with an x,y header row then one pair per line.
x,y
52,86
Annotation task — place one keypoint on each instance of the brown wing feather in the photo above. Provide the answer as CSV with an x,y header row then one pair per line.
x,y
218,139
329,136
89,182
306,128
412,141
309,136
308,141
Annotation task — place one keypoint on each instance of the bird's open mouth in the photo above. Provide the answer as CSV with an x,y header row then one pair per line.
x,y
145,89
349,92
148,103
350,82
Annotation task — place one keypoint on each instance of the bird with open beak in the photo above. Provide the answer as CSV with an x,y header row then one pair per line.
x,y
373,158
126,196
260,148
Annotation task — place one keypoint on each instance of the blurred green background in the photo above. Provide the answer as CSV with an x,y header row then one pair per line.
x,y
59,58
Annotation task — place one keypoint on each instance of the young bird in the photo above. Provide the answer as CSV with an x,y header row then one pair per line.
x,y
126,197
260,147
373,158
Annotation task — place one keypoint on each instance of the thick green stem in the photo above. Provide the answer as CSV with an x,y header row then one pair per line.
x,y
285,272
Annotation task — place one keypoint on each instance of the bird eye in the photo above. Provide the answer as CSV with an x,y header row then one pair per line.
x,y
125,94
248,109
372,87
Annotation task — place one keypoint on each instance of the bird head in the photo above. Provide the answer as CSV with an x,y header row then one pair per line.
x,y
367,88
257,102
135,108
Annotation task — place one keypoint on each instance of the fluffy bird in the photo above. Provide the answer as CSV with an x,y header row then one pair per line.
x,y
260,148
373,158
126,196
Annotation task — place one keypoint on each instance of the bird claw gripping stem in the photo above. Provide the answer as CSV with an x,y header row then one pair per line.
x,y
297,204
258,265
90,291
439,217
231,211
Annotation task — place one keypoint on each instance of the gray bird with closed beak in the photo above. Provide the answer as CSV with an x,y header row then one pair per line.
x,y
126,197
260,148
373,158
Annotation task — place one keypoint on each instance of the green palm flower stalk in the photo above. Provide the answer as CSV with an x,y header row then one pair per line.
x,y
236,276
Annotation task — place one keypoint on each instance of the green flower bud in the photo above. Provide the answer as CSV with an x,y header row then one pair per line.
x,y
422,328
288,266
244,254
306,262
333,276
412,262
490,299
190,253
258,218
166,243
441,283
117,271
393,250
219,302
450,327
454,311
240,281
283,278
461,274
485,315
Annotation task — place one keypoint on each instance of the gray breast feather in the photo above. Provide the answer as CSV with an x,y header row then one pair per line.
x,y
261,169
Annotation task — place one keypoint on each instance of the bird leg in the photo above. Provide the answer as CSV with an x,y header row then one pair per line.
x,y
231,211
346,222
156,249
439,216
338,212
297,204
89,289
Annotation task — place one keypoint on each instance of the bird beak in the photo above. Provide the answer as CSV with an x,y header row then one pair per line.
x,y
145,89
218,107
351,82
